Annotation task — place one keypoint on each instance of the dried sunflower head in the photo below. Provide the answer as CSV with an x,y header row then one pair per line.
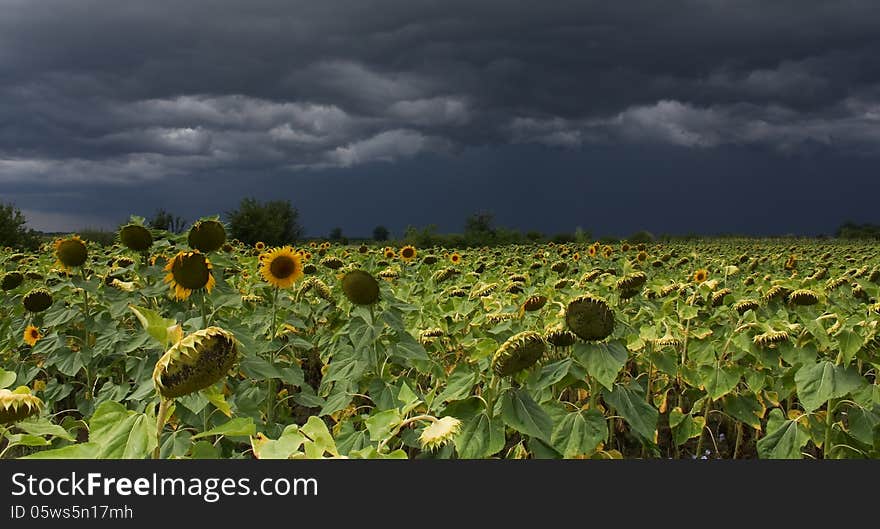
x,y
520,351
195,362
590,318
360,287
17,405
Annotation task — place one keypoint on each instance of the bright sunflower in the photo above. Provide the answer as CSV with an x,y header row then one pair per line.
x,y
701,275
593,251
325,245
389,253
32,335
576,256
281,267
188,272
642,256
407,253
455,258
260,246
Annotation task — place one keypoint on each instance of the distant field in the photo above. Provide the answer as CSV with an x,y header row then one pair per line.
x,y
707,349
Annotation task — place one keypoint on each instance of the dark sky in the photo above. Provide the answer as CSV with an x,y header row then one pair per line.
x,y
677,116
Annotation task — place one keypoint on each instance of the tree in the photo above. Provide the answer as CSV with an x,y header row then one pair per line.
x,y
163,220
479,228
380,233
13,231
336,234
274,223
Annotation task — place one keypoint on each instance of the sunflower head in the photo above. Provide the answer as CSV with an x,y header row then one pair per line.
x,y
206,236
534,303
71,252
17,405
331,262
135,237
590,318
455,258
260,246
32,335
195,362
360,287
520,351
642,256
803,297
701,275
389,253
440,432
11,280
281,267
188,272
407,253
557,336
37,300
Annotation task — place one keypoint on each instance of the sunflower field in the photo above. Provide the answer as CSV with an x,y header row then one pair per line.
x,y
196,346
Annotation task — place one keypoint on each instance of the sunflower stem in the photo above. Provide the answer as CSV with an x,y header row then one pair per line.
x,y
86,341
270,399
204,307
161,417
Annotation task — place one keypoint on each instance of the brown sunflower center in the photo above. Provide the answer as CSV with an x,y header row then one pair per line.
x,y
191,271
282,267
407,252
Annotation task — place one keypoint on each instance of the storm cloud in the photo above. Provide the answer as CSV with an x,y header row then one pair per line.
x,y
110,108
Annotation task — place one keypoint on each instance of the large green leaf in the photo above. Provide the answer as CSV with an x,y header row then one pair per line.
x,y
480,437
629,401
602,361
286,445
159,328
6,378
523,414
849,344
238,427
579,433
719,380
784,438
822,381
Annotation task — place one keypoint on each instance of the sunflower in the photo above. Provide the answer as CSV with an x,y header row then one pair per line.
x,y
407,253
607,251
281,267
389,253
325,245
207,236
593,251
701,275
260,246
576,256
71,253
642,256
136,237
187,272
455,258
313,244
32,335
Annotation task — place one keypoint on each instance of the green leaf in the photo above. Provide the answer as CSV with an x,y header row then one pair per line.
x,y
141,438
629,401
579,433
552,373
26,440
153,322
719,380
286,445
744,408
784,438
523,414
861,424
77,451
43,427
240,426
380,424
321,440
480,437
215,396
822,381
849,344
602,361
121,433
684,426
459,384
7,378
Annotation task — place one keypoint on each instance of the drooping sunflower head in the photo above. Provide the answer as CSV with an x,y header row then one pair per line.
x,y
71,252
803,297
439,433
11,280
590,318
207,235
281,267
558,336
17,405
37,300
520,351
642,256
188,272
32,335
360,287
701,275
407,253
333,263
135,237
195,362
534,303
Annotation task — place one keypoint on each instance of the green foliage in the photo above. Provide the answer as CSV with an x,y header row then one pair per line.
x,y
165,221
13,230
275,222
